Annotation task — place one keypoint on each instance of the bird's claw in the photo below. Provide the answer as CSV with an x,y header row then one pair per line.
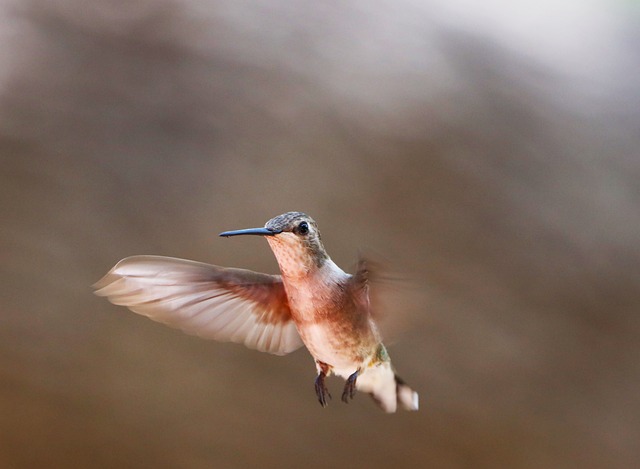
x,y
349,391
321,390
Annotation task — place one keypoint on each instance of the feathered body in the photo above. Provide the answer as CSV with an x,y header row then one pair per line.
x,y
313,302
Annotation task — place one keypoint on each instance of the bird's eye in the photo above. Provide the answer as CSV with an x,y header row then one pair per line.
x,y
303,228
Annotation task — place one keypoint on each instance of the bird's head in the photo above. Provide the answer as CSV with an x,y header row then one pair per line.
x,y
295,241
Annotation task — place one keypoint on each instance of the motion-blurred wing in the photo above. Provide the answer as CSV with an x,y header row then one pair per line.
x,y
358,286
389,299
213,302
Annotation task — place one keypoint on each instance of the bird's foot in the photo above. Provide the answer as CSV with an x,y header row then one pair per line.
x,y
350,387
321,389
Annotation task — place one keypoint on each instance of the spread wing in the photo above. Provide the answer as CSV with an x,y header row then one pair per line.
x,y
213,302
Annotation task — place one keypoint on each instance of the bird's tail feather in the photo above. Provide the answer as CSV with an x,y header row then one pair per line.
x,y
387,390
406,396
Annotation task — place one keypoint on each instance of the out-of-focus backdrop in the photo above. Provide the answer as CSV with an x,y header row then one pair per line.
x,y
487,150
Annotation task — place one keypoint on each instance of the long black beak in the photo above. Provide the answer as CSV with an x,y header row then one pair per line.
x,y
250,231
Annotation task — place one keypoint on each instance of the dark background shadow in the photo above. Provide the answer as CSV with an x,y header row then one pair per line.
x,y
490,156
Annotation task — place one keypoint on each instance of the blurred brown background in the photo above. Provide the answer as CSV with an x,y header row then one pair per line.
x,y
489,152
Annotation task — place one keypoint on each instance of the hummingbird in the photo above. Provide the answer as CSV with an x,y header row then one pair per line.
x,y
313,302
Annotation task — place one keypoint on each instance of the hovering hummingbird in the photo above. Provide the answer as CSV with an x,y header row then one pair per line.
x,y
313,303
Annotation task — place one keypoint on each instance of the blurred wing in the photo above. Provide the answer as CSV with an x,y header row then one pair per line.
x,y
359,287
388,299
213,302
